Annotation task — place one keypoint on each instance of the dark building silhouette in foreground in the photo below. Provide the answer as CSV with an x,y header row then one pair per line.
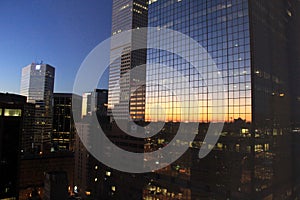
x,y
56,185
14,124
33,169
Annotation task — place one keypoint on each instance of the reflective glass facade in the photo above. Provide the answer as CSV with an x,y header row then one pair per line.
x,y
222,28
251,43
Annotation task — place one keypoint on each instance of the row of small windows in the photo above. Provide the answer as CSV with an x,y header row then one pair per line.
x,y
217,38
238,16
199,10
238,68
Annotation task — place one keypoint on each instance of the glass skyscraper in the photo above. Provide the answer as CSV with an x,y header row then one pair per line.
x,y
249,42
253,43
37,83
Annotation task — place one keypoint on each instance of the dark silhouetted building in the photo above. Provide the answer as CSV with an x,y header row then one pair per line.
x,y
56,186
33,169
14,130
63,123
100,98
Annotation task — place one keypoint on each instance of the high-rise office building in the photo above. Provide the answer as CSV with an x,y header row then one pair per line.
x,y
249,41
124,101
37,85
63,122
127,15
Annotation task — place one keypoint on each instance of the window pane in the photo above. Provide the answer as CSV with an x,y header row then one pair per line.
x,y
13,112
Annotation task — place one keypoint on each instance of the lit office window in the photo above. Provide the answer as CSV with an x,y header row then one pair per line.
x,y
12,112
108,173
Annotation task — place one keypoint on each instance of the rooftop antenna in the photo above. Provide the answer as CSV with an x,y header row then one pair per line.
x,y
36,60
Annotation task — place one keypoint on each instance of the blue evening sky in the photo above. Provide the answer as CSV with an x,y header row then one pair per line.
x,y
58,32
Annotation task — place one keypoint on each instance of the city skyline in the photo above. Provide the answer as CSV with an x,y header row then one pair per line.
x,y
58,33
197,100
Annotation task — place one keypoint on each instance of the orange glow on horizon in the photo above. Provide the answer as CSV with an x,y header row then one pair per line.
x,y
168,112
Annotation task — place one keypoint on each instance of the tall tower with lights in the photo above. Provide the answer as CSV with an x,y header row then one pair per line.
x,y
37,85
